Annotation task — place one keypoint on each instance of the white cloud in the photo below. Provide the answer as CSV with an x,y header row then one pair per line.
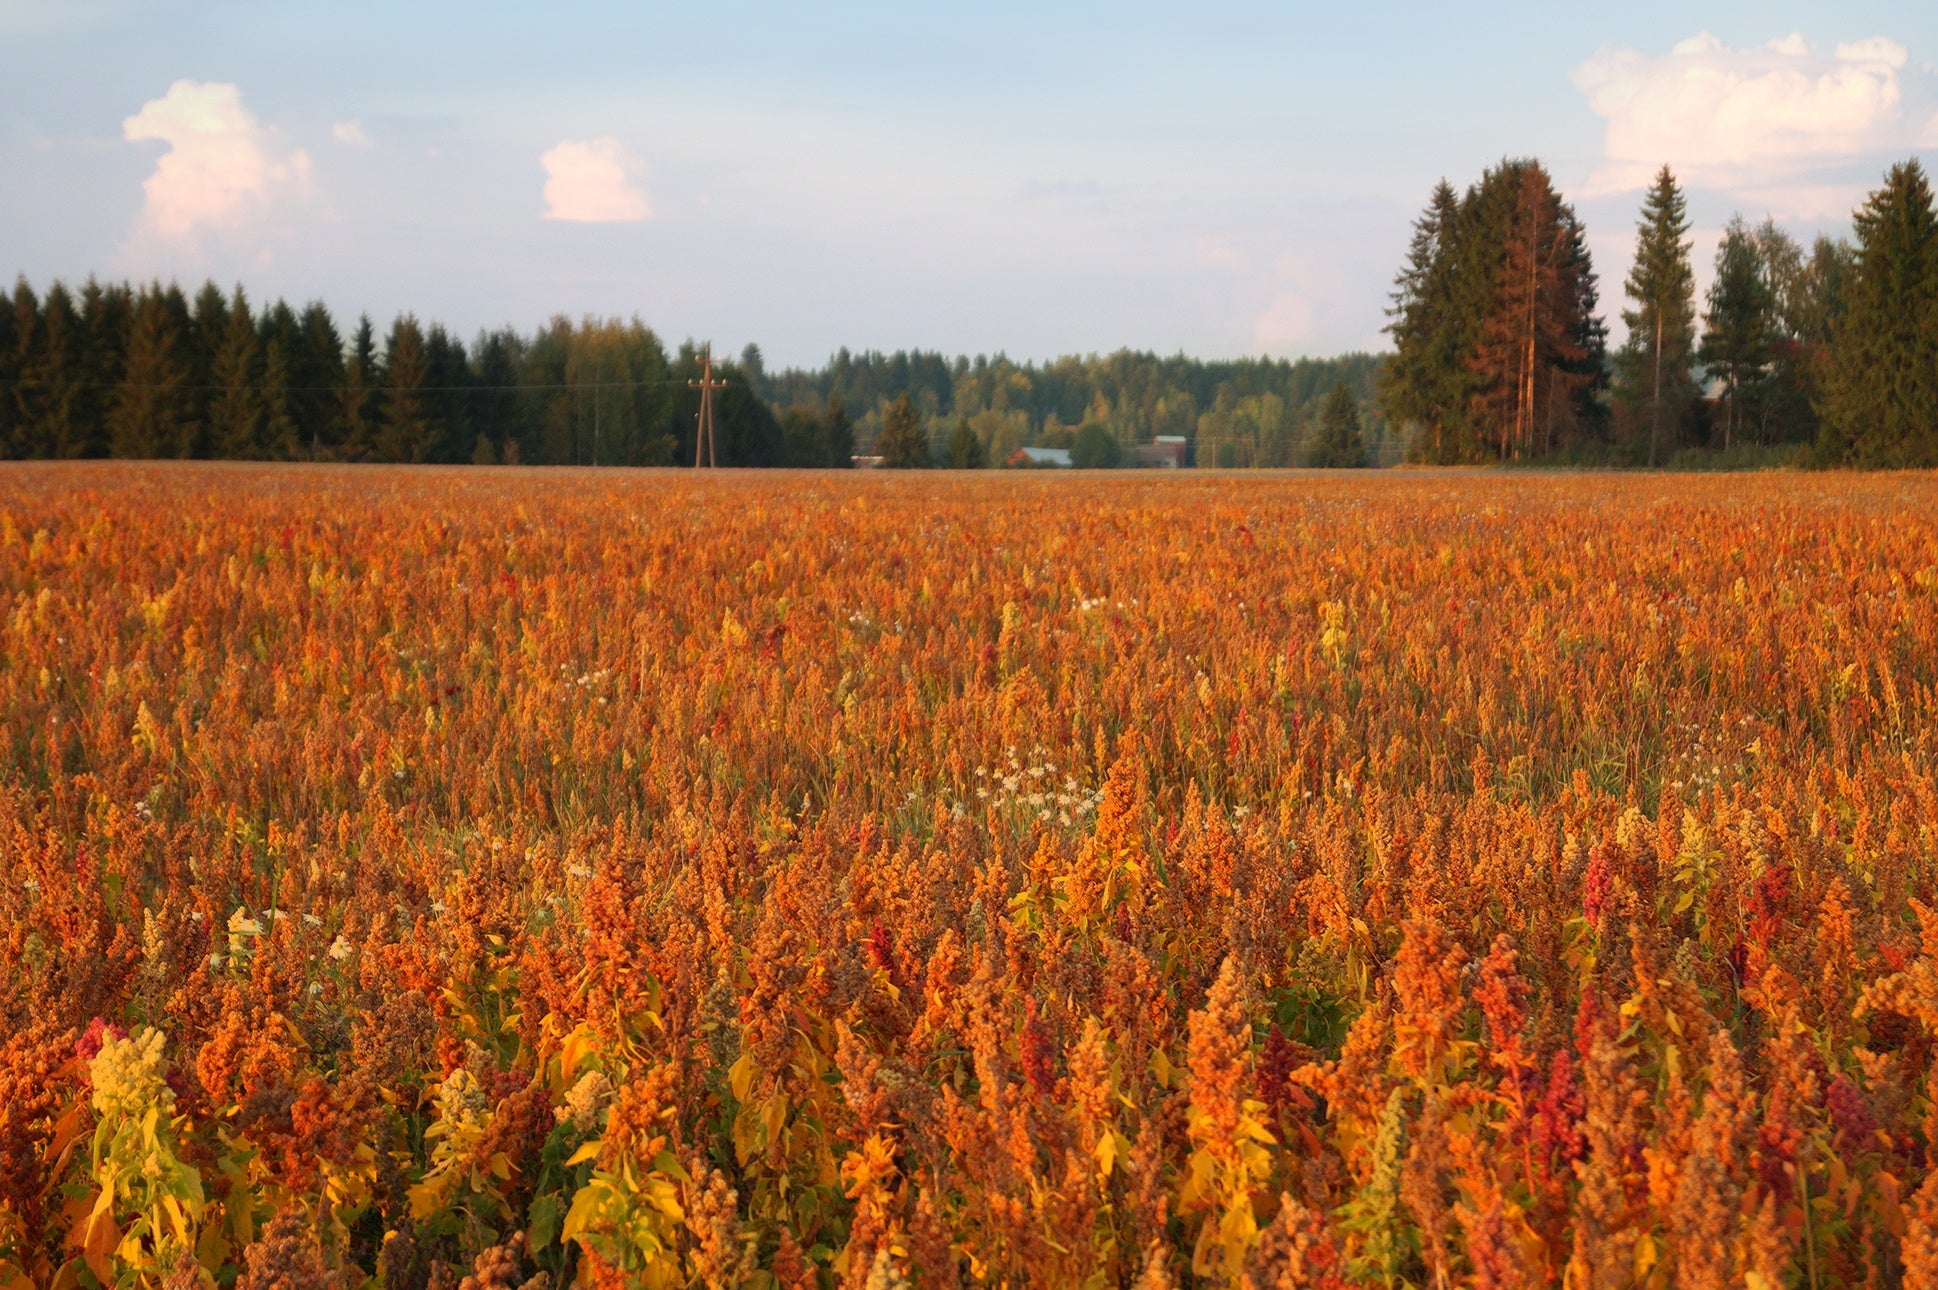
x,y
350,133
221,167
1877,49
1723,116
591,181
1217,253
1286,325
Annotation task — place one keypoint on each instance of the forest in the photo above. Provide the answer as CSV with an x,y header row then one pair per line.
x,y
146,371
1826,355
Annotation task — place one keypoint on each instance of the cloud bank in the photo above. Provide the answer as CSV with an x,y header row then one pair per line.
x,y
1729,117
221,168
590,181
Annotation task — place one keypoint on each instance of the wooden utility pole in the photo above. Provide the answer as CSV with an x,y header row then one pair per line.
x,y
706,385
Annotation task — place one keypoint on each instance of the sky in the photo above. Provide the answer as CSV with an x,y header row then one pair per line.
x,y
1218,179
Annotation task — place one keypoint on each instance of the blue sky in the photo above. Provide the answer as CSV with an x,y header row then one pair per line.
x,y
1047,178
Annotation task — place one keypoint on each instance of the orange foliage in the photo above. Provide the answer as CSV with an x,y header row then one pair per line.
x,y
810,881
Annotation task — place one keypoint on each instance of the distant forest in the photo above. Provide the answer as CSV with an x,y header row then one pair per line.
x,y
1827,355
125,370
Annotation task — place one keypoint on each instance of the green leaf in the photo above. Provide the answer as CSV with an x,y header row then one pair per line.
x,y
542,1221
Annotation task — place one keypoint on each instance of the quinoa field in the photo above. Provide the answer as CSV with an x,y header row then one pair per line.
x,y
522,878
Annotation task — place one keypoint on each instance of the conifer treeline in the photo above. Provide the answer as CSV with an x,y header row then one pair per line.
x,y
118,370
146,371
1499,352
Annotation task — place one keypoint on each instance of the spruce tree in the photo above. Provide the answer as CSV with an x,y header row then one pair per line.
x,y
316,375
1424,384
208,327
404,431
1655,362
56,370
841,435
1739,328
9,372
966,451
235,412
105,313
1880,394
901,443
20,395
282,437
150,417
357,400
1339,443
447,374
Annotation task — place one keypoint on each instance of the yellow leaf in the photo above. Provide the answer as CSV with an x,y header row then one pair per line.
x,y
589,1151
1106,1154
773,1116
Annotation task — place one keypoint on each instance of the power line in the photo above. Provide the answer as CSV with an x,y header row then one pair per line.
x,y
338,389
703,431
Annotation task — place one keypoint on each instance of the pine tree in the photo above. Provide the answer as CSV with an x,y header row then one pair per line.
x,y
150,417
235,413
1339,443
901,443
404,431
1739,329
1498,346
966,451
1537,352
1655,362
1880,395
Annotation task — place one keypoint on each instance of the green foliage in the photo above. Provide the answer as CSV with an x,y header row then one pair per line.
x,y
1339,442
1095,448
151,414
1135,395
1738,344
1499,350
1654,367
405,432
235,414
1880,395
818,437
966,450
901,443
